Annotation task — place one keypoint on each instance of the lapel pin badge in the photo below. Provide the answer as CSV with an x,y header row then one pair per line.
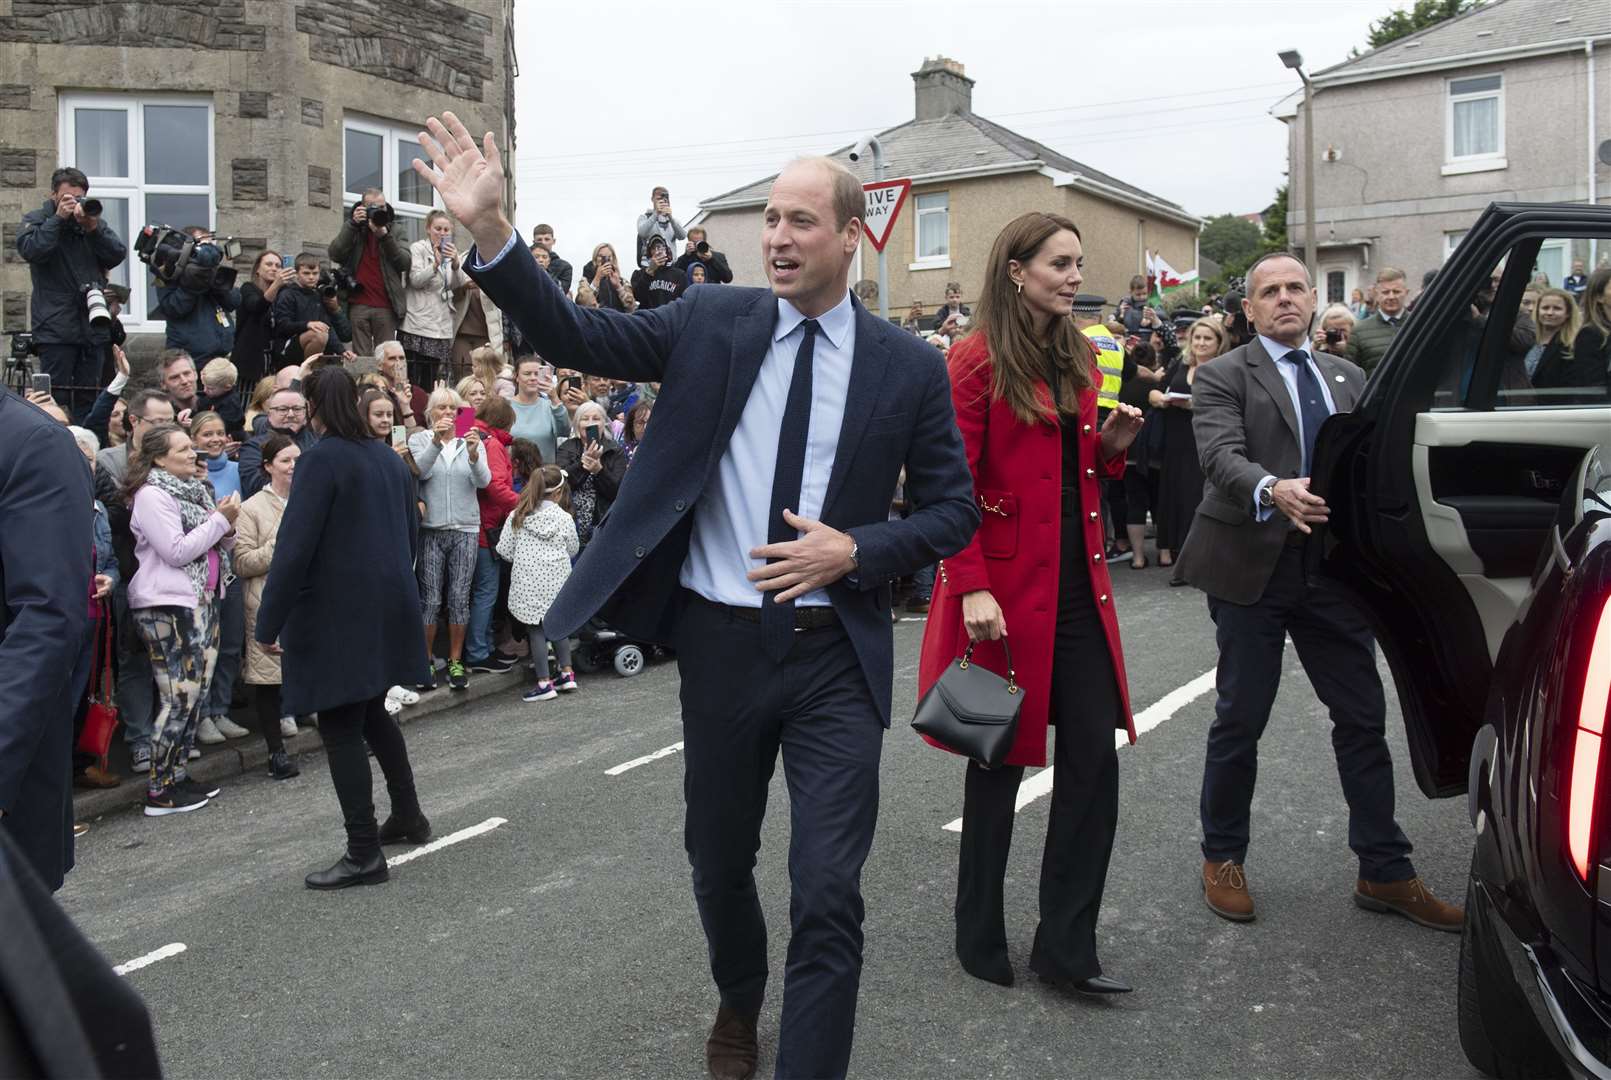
x,y
1339,378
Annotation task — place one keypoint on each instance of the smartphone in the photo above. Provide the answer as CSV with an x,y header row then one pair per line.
x,y
39,384
570,381
1333,337
591,433
463,420
399,436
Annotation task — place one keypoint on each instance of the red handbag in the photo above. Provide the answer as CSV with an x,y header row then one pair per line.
x,y
101,719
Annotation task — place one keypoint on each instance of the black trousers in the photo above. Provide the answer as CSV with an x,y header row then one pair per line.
x,y
1339,655
75,373
739,709
345,730
1085,798
266,696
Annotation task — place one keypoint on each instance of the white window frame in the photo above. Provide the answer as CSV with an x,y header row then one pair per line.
x,y
390,134
932,262
1451,241
133,187
1470,163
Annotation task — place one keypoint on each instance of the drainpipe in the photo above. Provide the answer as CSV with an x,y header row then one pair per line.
x,y
1594,194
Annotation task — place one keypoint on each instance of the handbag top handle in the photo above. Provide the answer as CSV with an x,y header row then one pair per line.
x,y
1012,675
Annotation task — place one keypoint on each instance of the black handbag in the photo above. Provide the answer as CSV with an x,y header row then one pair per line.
x,y
972,711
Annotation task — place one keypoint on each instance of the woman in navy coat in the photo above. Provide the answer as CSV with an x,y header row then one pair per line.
x,y
342,607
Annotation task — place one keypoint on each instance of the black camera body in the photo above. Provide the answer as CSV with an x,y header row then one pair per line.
x,y
702,248
336,282
381,216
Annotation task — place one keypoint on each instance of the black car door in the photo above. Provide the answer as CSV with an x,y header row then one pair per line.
x,y
1444,481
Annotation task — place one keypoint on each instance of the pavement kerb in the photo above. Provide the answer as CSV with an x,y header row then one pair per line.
x,y
240,756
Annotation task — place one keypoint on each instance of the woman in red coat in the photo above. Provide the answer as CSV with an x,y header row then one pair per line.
x,y
1024,390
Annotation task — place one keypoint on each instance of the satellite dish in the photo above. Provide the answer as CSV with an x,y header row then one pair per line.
x,y
1605,152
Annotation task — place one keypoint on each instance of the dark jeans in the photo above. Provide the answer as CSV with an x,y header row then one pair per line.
x,y
739,709
75,375
231,639
266,696
346,729
136,682
1339,655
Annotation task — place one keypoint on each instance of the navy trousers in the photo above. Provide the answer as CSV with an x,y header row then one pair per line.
x,y
739,710
1339,655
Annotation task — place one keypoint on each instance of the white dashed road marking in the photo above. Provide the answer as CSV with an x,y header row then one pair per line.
x,y
644,760
150,958
447,841
1040,784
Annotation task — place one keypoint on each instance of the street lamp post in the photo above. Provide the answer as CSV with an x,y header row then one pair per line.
x,y
1293,59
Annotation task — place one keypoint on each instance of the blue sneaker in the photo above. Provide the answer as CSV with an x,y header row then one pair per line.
x,y
543,691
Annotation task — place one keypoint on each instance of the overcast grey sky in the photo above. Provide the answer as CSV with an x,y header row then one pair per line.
x,y
703,97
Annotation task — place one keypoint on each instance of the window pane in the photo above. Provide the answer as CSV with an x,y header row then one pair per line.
x,y
409,229
176,144
363,164
411,187
177,211
1475,86
933,241
1476,127
115,215
1334,287
937,200
1551,262
101,142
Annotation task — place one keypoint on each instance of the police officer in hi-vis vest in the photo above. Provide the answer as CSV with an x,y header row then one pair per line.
x,y
1115,368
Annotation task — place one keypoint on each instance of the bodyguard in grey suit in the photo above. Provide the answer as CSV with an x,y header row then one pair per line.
x,y
752,532
1256,411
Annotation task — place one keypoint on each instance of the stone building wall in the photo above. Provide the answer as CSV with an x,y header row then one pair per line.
x,y
281,76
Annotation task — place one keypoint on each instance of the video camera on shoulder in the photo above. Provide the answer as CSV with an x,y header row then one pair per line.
x,y
176,258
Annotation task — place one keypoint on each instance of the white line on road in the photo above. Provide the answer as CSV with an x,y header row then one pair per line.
x,y
150,958
644,760
1040,784
447,841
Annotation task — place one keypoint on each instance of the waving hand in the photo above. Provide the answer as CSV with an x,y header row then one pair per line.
x,y
469,179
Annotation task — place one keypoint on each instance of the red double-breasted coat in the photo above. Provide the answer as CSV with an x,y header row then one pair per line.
x,y
1017,481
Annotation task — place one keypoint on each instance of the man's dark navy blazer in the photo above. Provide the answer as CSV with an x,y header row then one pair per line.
x,y
706,349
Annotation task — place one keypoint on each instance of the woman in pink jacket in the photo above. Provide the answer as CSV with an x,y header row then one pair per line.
x,y
182,538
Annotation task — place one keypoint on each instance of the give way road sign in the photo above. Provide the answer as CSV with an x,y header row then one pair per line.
x,y
884,202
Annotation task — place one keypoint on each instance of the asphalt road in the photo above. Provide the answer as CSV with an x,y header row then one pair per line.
x,y
565,943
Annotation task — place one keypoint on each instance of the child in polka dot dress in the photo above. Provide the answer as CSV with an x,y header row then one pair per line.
x,y
539,541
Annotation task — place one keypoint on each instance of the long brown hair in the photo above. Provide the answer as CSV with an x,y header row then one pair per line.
x,y
548,482
1020,361
1596,311
153,444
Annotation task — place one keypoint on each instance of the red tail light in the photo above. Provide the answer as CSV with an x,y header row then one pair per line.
x,y
1591,713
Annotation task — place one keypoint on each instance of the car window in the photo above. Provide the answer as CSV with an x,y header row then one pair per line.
x,y
1537,332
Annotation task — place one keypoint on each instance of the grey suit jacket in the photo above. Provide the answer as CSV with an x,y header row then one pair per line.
x,y
1247,429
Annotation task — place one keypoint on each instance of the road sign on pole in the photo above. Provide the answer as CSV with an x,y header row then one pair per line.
x,y
884,200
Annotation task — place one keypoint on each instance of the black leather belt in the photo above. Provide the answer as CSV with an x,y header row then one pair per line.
x,y
805,618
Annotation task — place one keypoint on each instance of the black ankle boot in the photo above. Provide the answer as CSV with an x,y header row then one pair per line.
x,y
363,870
398,830
283,766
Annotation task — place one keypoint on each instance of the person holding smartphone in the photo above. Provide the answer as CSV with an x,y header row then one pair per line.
x,y
540,415
594,464
604,271
434,275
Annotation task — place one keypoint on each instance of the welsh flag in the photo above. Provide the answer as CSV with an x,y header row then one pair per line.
x,y
1163,279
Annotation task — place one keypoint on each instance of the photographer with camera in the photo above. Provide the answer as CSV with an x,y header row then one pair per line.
x,y
657,221
1333,329
199,304
376,260
69,250
699,250
307,316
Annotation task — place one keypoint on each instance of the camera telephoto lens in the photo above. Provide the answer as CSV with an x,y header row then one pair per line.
x,y
701,248
95,300
91,207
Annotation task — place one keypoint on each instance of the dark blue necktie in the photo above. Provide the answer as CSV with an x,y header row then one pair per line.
x,y
1311,404
777,620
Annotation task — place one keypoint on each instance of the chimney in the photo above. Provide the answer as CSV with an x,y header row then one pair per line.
x,y
942,88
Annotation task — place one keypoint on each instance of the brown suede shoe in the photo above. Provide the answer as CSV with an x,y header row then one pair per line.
x,y
1225,891
96,777
730,1052
1412,899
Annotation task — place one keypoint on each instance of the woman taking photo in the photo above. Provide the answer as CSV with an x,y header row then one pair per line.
x,y
604,271
181,539
339,604
452,470
1023,385
255,533
433,275
252,330
594,464
540,417
1180,488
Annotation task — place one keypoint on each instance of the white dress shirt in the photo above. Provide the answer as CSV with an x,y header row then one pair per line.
x,y
730,518
1289,376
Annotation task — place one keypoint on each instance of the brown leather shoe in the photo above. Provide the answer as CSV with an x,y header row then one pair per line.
x,y
1412,899
96,777
1225,891
730,1052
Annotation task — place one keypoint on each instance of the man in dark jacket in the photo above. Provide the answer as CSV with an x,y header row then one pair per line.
x,y
1373,334
658,283
47,504
699,250
377,261
558,269
200,319
287,413
67,250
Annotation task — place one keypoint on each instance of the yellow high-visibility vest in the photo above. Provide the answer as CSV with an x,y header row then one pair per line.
x,y
1109,361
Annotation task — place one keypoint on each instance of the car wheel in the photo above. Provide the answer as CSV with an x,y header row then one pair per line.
x,y
628,661
1497,1029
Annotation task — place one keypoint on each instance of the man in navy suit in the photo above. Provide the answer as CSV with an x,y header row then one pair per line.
x,y
784,418
46,561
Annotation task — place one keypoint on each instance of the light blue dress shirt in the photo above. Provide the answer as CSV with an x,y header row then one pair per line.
x,y
1289,375
731,516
